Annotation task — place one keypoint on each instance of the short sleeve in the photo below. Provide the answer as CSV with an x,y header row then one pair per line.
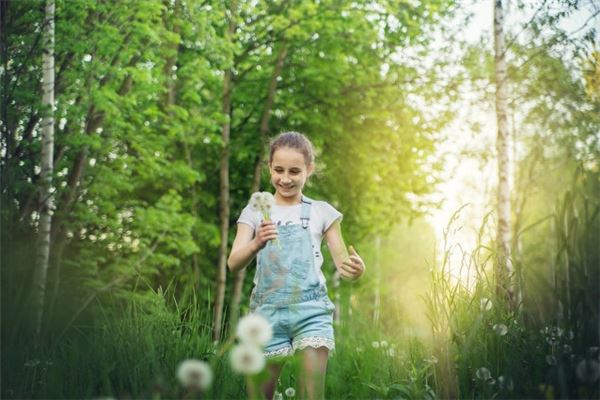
x,y
329,215
249,217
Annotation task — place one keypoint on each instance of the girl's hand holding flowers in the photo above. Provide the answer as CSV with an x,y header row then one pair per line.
x,y
265,232
264,202
353,267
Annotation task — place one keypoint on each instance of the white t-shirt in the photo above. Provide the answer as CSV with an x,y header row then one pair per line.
x,y
322,215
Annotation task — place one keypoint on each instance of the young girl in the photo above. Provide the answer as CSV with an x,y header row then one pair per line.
x,y
290,289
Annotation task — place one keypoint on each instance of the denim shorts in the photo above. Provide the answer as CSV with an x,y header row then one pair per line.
x,y
299,325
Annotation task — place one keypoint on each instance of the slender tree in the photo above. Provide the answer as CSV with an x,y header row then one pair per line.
x,y
377,288
46,200
504,270
224,184
260,158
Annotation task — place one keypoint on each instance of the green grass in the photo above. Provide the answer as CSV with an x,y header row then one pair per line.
x,y
131,348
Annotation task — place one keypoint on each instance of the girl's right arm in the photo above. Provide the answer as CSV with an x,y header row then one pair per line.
x,y
246,244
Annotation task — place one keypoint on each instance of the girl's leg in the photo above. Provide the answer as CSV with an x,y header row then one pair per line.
x,y
312,375
268,388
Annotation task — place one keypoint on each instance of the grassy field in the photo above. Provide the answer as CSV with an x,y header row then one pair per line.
x,y
477,346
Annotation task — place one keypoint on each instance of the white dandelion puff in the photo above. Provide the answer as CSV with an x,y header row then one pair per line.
x,y
32,363
483,373
383,344
195,374
254,329
375,345
290,392
500,329
263,202
247,359
431,360
505,383
256,201
278,396
268,198
588,370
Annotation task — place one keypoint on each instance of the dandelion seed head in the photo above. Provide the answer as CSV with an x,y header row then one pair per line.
x,y
588,371
32,363
255,329
505,383
247,359
195,374
383,344
431,360
483,373
500,329
268,198
255,201
290,392
375,345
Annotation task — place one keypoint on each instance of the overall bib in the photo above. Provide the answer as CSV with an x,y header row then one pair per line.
x,y
288,292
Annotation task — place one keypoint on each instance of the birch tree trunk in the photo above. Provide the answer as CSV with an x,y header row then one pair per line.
x,y
504,271
224,188
46,198
377,289
264,131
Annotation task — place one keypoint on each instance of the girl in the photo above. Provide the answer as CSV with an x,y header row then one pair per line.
x,y
290,289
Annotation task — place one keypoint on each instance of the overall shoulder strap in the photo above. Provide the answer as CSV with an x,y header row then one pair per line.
x,y
305,213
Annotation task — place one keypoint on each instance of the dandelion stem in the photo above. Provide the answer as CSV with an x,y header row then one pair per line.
x,y
268,218
251,388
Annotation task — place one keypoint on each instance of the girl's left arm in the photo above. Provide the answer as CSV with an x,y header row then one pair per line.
x,y
350,265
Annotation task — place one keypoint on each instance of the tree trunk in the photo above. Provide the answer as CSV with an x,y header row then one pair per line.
x,y
224,189
94,120
169,99
504,270
377,288
240,276
46,199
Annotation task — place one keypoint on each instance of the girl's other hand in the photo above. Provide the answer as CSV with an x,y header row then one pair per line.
x,y
354,266
265,232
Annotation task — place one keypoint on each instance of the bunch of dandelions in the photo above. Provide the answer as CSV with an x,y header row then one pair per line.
x,y
247,357
194,375
263,202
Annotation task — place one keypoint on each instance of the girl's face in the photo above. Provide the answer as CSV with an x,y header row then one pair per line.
x,y
289,173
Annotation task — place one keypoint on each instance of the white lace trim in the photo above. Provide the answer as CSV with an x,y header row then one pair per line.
x,y
315,342
284,351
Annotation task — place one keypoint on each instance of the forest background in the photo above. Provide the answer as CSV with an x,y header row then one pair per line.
x,y
123,177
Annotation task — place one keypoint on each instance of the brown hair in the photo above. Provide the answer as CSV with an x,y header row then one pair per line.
x,y
294,140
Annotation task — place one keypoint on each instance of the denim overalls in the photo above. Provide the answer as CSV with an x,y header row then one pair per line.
x,y
288,292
